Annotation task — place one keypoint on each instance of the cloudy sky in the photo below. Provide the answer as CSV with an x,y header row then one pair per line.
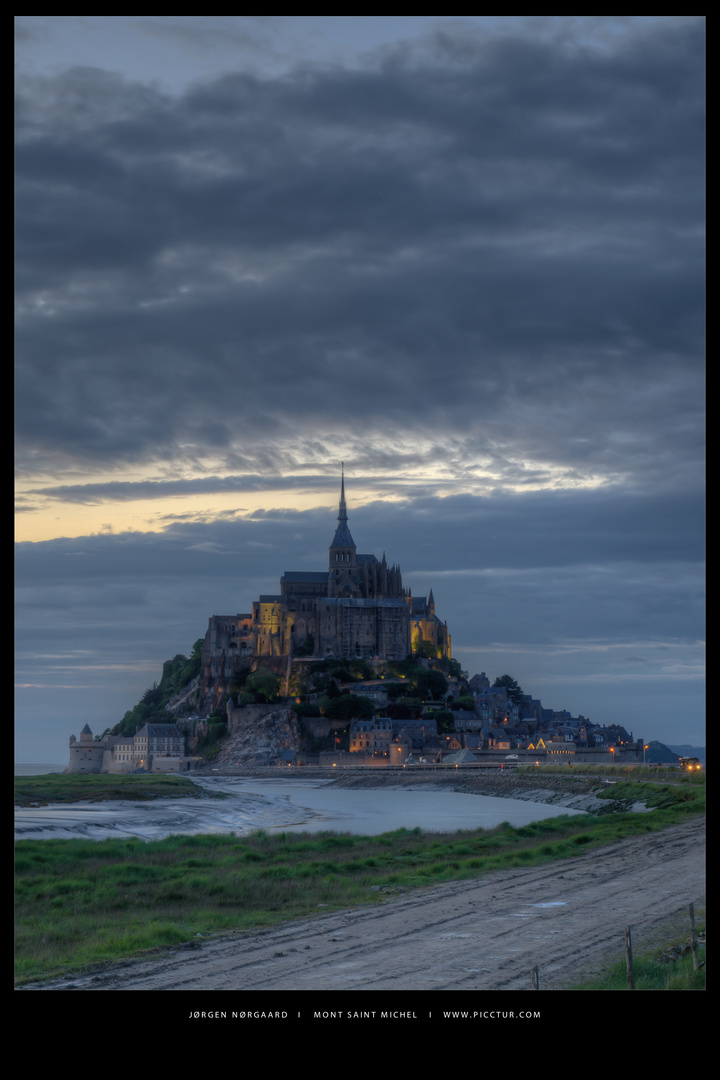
x,y
462,254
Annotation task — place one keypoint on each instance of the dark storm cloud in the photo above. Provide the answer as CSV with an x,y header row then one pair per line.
x,y
119,491
506,536
498,235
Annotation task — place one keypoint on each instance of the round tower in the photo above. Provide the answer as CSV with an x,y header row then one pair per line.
x,y
86,755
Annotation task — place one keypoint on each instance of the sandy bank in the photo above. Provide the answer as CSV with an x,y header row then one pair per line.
x,y
576,794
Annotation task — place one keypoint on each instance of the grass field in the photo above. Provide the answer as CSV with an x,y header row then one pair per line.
x,y
81,902
669,967
64,788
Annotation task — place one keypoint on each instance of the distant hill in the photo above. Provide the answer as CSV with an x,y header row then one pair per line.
x,y
689,751
658,753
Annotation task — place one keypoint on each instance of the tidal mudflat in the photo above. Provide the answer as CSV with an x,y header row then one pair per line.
x,y
290,805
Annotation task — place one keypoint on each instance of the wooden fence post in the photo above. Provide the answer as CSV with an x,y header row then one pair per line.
x,y
693,937
629,960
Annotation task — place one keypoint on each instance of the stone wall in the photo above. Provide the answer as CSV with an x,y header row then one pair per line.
x,y
86,758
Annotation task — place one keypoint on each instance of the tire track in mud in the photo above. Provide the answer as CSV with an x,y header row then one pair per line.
x,y
488,933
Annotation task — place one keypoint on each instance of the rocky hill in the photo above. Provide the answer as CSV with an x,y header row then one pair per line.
x,y
256,742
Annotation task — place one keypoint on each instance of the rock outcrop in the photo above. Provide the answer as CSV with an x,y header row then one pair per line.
x,y
259,741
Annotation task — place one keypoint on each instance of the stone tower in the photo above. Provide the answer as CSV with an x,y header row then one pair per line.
x,y
342,571
86,755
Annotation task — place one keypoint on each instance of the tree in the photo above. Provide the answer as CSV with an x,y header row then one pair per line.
x,y
464,701
444,719
350,707
152,695
404,709
262,686
429,683
514,690
454,669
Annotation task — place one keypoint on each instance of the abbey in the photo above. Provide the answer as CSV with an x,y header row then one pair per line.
x,y
356,608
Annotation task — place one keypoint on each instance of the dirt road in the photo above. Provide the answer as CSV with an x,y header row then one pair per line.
x,y
568,918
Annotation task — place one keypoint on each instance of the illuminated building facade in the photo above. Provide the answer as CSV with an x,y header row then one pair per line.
x,y
356,608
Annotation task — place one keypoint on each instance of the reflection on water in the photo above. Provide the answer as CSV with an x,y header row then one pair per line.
x,y
295,805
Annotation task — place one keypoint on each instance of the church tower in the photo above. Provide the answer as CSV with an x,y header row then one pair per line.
x,y
342,579
358,607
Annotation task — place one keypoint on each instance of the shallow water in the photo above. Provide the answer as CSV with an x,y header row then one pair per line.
x,y
38,770
289,805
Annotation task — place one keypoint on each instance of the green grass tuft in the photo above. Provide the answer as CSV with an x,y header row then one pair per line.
x,y
64,788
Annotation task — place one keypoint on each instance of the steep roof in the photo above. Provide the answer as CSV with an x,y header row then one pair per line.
x,y
306,575
342,536
159,731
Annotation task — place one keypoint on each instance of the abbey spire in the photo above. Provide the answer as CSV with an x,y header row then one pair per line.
x,y
343,544
342,513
